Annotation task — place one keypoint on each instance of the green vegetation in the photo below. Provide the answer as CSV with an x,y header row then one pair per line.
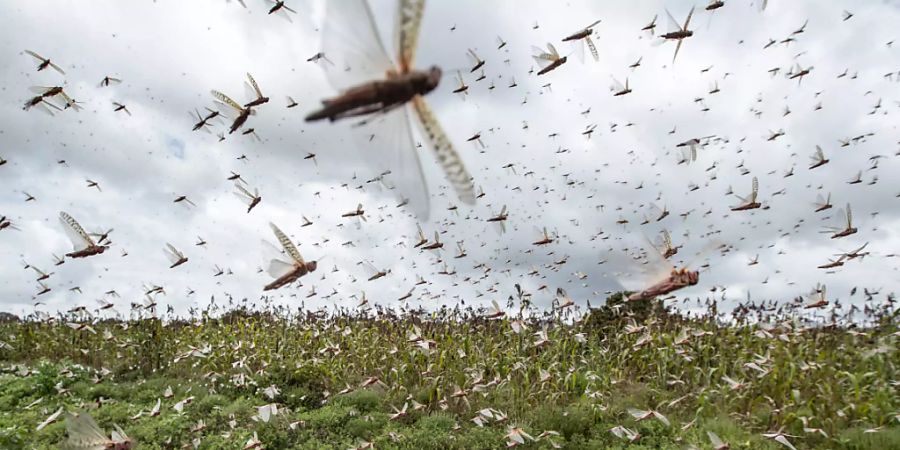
x,y
340,379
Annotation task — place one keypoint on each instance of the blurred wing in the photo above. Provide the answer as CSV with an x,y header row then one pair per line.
x,y
370,269
242,192
460,78
677,47
784,441
617,86
409,20
703,253
276,266
393,149
421,233
35,55
592,47
227,101
687,21
255,86
171,254
673,24
350,37
501,226
553,53
593,24
662,242
52,418
715,440
472,57
449,159
849,216
286,243
57,68
839,220
244,199
250,91
579,49
639,270
689,154
755,191
637,413
118,435
84,434
541,57
38,89
80,239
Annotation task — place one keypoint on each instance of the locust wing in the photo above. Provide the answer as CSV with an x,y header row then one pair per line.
x,y
409,21
350,37
542,57
370,269
84,434
687,22
172,253
821,201
286,243
445,153
839,221
673,25
637,268
254,88
35,56
80,239
41,59
755,192
393,149
243,194
663,242
227,106
818,156
277,265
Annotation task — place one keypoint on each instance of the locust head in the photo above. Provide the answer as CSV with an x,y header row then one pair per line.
x,y
425,82
690,277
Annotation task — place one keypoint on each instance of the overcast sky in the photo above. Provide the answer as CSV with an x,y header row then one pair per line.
x,y
170,54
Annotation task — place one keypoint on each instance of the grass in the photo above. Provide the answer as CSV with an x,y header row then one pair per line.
x,y
342,377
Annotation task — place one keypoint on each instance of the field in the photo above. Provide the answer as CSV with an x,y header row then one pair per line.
x,y
454,379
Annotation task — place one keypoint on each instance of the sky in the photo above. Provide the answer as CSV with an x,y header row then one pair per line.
x,y
582,187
